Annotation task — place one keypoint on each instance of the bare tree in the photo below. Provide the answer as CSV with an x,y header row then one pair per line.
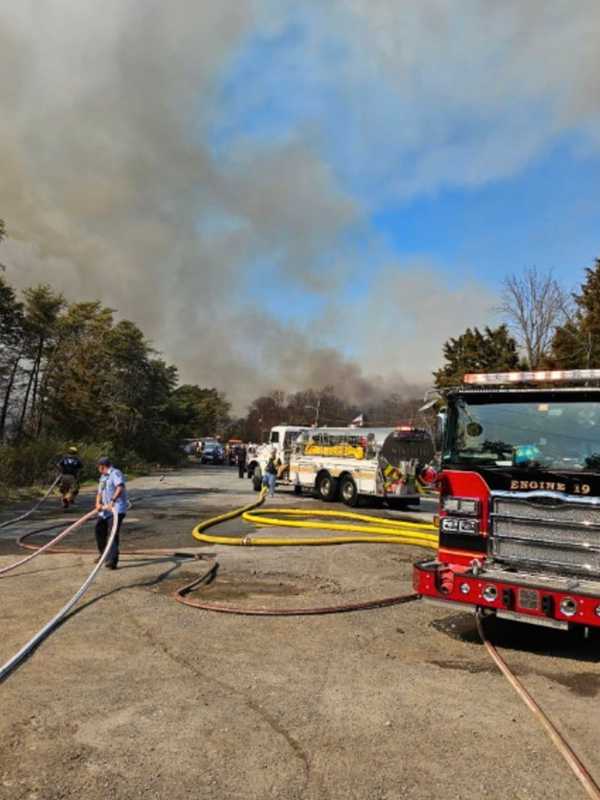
x,y
2,237
534,305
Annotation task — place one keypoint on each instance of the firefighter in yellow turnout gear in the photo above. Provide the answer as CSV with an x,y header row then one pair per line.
x,y
70,466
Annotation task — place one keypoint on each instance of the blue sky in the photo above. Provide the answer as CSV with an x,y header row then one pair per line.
x,y
540,210
548,216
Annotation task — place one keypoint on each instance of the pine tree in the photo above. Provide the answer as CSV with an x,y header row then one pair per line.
x,y
576,344
11,348
493,350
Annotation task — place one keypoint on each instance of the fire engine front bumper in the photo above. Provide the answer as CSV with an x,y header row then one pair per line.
x,y
547,600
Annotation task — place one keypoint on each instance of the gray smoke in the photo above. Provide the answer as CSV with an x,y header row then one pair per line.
x,y
110,189
111,186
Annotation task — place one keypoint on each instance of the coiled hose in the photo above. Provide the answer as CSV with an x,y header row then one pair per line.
x,y
376,530
371,530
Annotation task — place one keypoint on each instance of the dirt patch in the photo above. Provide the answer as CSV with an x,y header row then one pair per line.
x,y
405,558
238,587
583,684
162,515
458,626
233,589
463,666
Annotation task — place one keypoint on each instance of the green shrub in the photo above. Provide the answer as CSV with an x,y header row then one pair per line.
x,y
32,462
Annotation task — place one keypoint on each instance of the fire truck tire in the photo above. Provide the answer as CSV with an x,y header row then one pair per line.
x,y
349,491
297,488
327,487
257,479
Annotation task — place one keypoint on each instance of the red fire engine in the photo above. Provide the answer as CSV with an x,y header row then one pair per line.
x,y
519,513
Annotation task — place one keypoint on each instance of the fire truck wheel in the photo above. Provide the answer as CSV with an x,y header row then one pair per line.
x,y
327,487
297,489
257,479
348,491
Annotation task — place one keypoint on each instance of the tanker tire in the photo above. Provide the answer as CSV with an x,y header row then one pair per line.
x,y
257,479
327,488
349,492
297,489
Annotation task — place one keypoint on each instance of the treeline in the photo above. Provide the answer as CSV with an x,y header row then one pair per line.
x,y
322,407
544,328
71,374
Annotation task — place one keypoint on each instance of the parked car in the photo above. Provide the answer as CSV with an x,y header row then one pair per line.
x,y
212,454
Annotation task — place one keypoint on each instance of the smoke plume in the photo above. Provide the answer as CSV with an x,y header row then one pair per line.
x,y
112,185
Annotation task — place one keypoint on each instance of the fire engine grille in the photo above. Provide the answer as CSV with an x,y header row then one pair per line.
x,y
538,529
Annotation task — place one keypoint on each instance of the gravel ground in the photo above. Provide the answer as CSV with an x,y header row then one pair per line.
x,y
136,696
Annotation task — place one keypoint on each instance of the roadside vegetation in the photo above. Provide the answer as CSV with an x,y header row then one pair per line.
x,y
70,374
544,327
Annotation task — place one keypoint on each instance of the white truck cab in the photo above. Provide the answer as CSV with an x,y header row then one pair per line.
x,y
280,444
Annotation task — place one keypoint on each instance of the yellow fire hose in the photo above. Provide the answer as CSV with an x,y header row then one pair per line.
x,y
373,530
370,529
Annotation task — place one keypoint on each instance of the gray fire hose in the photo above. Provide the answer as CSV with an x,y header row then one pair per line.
x,y
30,646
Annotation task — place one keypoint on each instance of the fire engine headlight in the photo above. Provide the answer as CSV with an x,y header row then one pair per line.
x,y
450,524
490,593
568,606
459,525
470,526
460,505
467,506
450,504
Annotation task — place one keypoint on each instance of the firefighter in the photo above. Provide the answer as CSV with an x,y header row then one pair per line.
x,y
111,499
241,460
270,478
70,467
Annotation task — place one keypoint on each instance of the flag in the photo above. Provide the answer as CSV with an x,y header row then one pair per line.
x,y
358,421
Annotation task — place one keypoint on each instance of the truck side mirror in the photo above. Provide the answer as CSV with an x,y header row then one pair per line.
x,y
440,430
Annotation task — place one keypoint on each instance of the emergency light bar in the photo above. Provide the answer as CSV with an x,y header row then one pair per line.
x,y
491,378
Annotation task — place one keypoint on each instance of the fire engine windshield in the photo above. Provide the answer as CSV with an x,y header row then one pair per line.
x,y
562,434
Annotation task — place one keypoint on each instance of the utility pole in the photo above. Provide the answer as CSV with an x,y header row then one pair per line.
x,y
317,409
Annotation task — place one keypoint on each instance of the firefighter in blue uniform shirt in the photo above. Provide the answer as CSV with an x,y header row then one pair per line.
x,y
70,467
110,499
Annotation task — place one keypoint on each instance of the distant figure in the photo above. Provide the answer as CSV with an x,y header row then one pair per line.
x,y
270,478
111,499
70,467
241,460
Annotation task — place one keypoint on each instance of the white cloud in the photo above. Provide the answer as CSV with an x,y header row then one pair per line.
x,y
482,88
